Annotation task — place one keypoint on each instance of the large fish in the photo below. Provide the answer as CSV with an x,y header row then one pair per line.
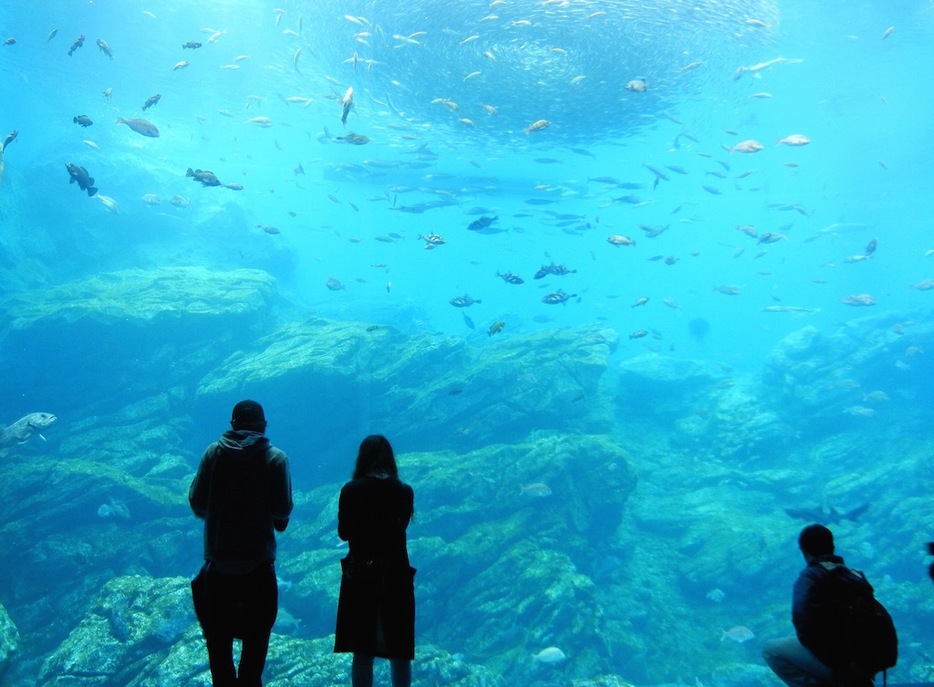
x,y
25,428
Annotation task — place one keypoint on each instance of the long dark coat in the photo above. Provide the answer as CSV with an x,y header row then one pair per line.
x,y
376,610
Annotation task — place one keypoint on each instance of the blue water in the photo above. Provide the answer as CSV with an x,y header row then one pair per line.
x,y
356,213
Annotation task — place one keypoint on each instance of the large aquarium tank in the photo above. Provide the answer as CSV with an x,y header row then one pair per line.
x,y
637,290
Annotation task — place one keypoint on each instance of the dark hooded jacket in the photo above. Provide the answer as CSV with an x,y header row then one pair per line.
x,y
243,491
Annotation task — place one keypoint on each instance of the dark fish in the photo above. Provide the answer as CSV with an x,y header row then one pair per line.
x,y
152,100
79,41
870,248
204,176
547,160
353,139
481,223
559,270
510,278
80,174
299,170
140,126
463,301
335,284
102,44
468,321
193,45
82,120
557,297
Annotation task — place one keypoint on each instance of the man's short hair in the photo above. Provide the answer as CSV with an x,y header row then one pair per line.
x,y
248,415
816,540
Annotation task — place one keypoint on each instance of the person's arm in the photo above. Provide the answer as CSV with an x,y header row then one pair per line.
x,y
281,493
804,609
345,528
200,487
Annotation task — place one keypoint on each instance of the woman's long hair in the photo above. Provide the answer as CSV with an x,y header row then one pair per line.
x,y
375,455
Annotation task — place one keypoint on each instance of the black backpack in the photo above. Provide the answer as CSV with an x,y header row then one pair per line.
x,y
867,642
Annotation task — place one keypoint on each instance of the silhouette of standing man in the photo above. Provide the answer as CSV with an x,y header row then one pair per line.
x,y
243,491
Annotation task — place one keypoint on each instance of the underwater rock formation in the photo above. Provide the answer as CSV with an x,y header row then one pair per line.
x,y
429,389
112,326
9,640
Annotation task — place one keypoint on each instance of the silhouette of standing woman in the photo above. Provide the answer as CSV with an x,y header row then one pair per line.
x,y
376,610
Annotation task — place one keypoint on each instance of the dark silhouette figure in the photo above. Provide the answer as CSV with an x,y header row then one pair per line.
x,y
376,611
820,654
243,491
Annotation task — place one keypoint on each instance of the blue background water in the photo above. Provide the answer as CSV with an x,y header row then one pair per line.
x,y
357,212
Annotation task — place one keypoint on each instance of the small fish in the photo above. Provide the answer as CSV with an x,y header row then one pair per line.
x,y
191,45
557,297
181,64
80,174
887,33
794,140
51,35
346,105
151,100
140,126
748,146
481,223
334,284
551,655
538,125
739,633
463,301
78,42
270,229
495,328
105,48
638,85
860,299
82,120
536,489
510,278
207,178
151,199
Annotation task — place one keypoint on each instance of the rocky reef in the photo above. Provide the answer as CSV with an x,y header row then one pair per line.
x,y
582,517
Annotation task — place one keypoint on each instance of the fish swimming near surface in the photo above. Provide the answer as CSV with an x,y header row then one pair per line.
x,y
140,126
25,428
80,174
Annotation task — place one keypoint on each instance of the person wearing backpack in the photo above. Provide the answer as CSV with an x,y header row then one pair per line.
x,y
843,634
